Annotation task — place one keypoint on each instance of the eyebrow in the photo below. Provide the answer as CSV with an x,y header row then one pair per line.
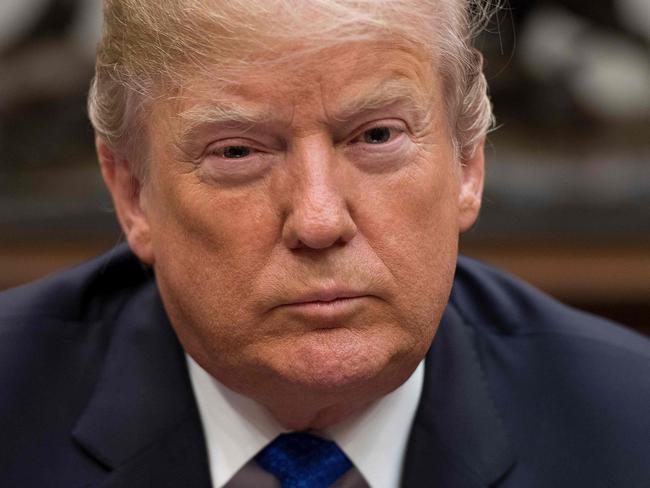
x,y
221,113
384,94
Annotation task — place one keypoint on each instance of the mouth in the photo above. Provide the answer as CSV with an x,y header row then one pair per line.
x,y
326,297
333,304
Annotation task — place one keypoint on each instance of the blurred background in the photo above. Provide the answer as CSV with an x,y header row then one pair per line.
x,y
567,200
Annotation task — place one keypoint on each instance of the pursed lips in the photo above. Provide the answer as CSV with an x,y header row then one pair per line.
x,y
326,296
325,303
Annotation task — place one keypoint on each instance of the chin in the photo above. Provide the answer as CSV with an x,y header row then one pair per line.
x,y
336,361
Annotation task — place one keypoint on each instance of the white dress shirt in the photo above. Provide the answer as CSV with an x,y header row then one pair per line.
x,y
236,428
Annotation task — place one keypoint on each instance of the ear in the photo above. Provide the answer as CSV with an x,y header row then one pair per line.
x,y
126,190
471,188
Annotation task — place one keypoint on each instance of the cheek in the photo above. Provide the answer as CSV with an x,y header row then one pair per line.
x,y
206,220
207,217
412,217
411,223
210,245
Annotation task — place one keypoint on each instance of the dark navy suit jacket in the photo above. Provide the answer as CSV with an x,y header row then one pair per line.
x,y
520,391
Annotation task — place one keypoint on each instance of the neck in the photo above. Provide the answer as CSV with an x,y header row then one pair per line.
x,y
303,419
303,410
302,407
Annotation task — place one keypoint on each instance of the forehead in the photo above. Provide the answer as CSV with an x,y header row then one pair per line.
x,y
340,80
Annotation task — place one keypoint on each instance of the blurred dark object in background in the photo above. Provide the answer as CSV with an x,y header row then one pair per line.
x,y
567,201
51,194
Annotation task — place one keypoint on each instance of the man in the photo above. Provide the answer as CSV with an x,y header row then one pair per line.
x,y
292,178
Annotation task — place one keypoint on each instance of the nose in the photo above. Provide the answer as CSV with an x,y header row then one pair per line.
x,y
319,216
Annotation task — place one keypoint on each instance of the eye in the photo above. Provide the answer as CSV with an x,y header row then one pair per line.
x,y
377,135
234,152
380,146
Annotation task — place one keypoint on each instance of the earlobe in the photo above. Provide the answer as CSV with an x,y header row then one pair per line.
x,y
471,188
125,189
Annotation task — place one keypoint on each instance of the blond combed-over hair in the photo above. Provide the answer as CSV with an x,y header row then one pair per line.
x,y
148,48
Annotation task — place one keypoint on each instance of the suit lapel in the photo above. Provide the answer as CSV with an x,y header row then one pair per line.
x,y
457,438
142,423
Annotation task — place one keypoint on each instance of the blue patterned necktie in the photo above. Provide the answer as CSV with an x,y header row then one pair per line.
x,y
301,460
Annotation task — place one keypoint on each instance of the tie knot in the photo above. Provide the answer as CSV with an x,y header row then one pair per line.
x,y
301,460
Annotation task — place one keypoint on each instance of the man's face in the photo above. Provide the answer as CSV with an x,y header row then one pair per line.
x,y
305,244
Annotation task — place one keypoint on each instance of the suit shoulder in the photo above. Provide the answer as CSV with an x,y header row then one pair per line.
x,y
54,334
572,389
496,302
70,314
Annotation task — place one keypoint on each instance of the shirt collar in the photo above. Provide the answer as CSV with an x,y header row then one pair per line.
x,y
236,428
